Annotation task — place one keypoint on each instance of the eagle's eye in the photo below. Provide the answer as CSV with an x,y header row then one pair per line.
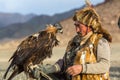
x,y
59,27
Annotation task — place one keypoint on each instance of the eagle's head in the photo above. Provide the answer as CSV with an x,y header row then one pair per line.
x,y
56,28
59,27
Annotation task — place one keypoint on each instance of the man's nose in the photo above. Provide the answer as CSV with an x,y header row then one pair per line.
x,y
77,29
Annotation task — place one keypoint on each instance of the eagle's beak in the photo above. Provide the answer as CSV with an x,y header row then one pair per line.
x,y
59,28
60,31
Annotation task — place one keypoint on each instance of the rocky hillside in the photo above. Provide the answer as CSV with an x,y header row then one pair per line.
x,y
109,12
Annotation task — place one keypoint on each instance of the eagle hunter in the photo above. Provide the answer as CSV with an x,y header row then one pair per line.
x,y
33,50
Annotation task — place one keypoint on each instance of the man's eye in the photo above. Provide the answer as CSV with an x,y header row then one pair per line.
x,y
76,24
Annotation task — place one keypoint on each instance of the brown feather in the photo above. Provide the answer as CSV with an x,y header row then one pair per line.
x,y
33,49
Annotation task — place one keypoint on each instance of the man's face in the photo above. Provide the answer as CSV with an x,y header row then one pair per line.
x,y
81,29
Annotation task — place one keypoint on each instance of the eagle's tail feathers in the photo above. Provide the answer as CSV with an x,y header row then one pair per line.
x,y
4,77
16,72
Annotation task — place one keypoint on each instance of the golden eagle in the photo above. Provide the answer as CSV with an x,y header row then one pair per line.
x,y
33,50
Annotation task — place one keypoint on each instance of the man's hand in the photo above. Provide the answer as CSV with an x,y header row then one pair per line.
x,y
74,70
31,67
34,70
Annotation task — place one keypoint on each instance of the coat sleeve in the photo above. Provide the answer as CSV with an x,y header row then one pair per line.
x,y
60,64
103,59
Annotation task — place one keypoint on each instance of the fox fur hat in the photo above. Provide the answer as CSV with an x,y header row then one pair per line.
x,y
89,17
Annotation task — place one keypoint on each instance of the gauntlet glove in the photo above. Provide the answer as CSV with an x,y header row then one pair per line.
x,y
46,69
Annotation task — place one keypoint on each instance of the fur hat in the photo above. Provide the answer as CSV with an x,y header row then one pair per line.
x,y
89,17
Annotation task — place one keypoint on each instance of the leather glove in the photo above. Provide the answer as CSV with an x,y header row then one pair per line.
x,y
34,71
45,69
49,68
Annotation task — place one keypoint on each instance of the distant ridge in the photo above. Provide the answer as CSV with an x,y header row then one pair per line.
x,y
11,18
19,30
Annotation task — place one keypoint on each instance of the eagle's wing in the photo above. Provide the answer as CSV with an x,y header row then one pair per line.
x,y
45,47
24,49
27,48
